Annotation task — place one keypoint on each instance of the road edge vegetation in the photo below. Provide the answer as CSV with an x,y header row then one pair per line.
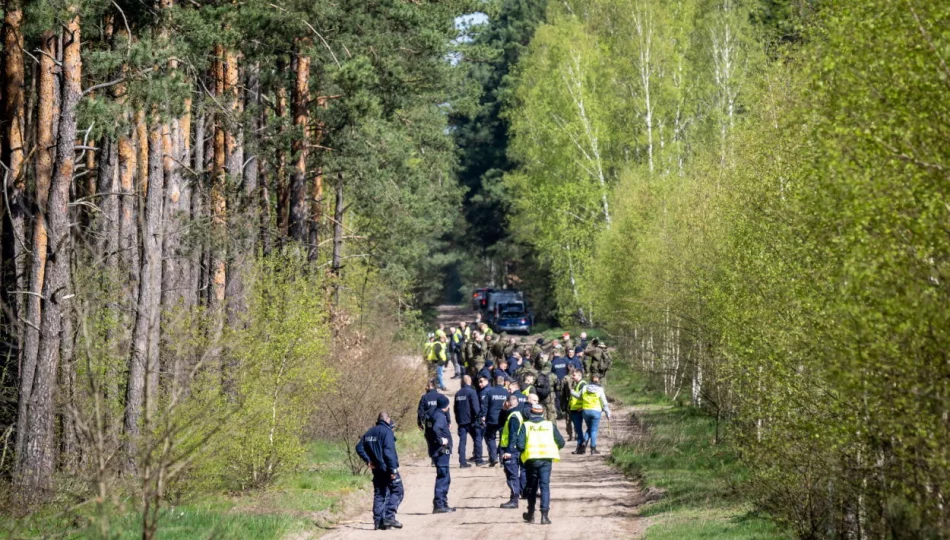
x,y
692,482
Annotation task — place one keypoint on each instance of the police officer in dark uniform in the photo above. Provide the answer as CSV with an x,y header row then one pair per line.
x,y
377,447
467,407
439,440
511,457
426,402
493,401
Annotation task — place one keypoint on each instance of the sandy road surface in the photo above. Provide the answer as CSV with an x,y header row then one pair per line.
x,y
588,497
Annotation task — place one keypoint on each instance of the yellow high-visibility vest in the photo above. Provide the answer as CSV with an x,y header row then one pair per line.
x,y
429,351
590,401
441,356
457,337
504,432
576,404
539,441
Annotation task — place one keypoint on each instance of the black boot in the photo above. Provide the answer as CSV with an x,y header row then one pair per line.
x,y
512,504
544,518
392,524
528,516
593,451
581,450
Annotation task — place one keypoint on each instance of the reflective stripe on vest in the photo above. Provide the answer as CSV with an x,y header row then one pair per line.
x,y
504,433
539,441
576,404
590,401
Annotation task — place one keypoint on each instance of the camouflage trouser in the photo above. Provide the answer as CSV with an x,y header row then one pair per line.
x,y
550,410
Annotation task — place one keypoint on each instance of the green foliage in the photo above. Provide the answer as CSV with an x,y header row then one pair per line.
x,y
280,356
674,453
781,259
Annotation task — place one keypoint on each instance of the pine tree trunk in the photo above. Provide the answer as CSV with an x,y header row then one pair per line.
x,y
218,207
142,387
299,229
12,145
316,202
283,185
35,465
338,228
43,171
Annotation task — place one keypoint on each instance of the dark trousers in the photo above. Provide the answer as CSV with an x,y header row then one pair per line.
x,y
476,432
513,473
577,420
491,437
539,477
387,495
442,481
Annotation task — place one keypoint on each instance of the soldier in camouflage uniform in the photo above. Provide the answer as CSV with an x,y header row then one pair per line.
x,y
547,393
477,359
597,361
498,345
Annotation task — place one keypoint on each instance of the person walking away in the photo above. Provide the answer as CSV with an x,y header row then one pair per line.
x,y
510,455
576,406
377,448
427,402
598,360
455,350
478,353
493,401
441,360
593,401
439,441
440,333
484,383
539,443
467,407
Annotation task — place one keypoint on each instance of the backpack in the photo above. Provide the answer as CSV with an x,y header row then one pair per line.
x,y
543,386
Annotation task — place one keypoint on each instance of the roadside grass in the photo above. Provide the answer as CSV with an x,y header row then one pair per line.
x,y
301,501
677,455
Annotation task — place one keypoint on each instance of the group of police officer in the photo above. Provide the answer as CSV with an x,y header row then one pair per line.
x,y
520,394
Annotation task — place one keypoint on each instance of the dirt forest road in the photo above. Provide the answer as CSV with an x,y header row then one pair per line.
x,y
588,497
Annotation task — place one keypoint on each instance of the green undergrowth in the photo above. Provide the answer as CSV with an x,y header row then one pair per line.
x,y
677,455
302,501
